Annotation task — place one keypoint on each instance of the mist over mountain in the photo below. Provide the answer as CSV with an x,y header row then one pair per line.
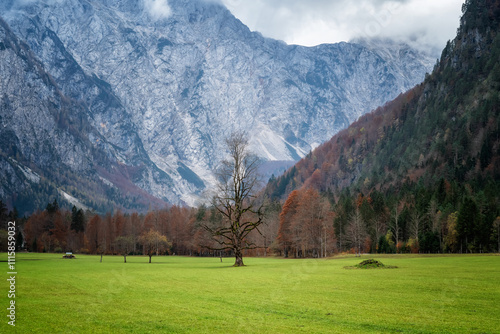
x,y
127,104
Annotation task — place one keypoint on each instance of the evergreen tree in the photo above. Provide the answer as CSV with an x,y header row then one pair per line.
x,y
3,215
77,220
467,218
52,207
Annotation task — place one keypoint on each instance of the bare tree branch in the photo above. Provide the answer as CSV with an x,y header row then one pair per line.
x,y
238,179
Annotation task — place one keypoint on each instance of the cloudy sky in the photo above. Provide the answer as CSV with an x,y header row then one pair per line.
x,y
426,24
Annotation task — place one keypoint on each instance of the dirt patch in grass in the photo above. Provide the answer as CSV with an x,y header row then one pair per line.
x,y
370,264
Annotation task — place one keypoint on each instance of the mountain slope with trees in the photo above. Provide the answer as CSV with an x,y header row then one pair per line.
x,y
423,170
160,93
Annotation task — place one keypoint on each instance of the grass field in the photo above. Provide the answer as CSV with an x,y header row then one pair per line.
x,y
425,294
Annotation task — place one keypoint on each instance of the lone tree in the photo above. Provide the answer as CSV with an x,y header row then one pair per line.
x,y
124,244
154,242
237,179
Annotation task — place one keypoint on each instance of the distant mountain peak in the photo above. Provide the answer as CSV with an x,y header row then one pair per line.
x,y
159,95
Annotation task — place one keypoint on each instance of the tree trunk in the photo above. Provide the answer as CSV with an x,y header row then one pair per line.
x,y
238,258
265,247
101,258
124,258
150,257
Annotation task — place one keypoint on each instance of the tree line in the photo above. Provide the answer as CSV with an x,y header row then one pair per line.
x,y
165,231
446,218
307,224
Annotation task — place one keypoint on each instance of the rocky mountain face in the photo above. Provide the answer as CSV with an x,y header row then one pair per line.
x,y
49,144
135,102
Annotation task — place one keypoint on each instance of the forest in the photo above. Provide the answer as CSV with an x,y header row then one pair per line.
x,y
424,169
308,224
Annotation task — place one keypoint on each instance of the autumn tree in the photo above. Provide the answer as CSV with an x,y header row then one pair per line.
x,y
59,232
153,242
237,181
287,213
270,228
178,228
47,231
133,227
124,245
314,222
96,236
108,229
152,221
32,231
118,225
451,238
202,238
306,224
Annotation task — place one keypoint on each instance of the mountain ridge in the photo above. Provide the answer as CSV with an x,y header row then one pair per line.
x,y
165,92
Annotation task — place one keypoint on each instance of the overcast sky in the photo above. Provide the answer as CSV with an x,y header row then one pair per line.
x,y
423,23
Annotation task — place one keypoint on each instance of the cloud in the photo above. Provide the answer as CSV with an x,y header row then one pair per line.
x,y
426,24
157,9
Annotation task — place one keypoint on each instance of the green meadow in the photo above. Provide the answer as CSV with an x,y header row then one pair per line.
x,y
424,294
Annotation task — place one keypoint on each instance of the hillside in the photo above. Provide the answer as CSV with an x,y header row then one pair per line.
x,y
428,159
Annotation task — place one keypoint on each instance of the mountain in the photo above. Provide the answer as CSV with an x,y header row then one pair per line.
x,y
47,140
432,152
159,90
